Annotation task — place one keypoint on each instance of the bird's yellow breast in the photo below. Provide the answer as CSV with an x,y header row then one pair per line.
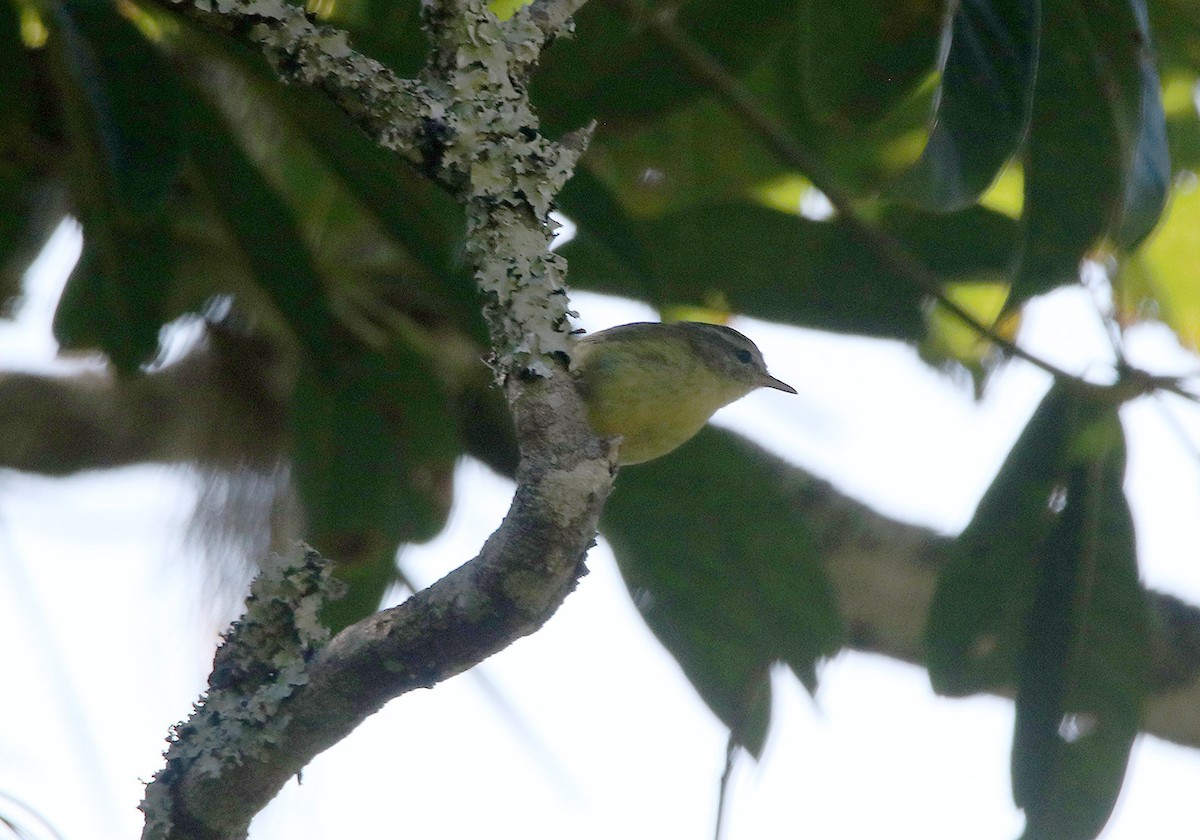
x,y
654,395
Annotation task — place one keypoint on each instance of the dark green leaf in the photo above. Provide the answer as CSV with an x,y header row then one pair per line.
x,y
1183,139
851,63
699,154
1149,178
970,244
856,59
262,225
985,591
126,143
1042,592
728,579
374,450
615,68
780,267
16,77
1096,161
113,298
387,30
126,102
1177,34
1082,674
601,219
16,194
783,267
983,104
412,209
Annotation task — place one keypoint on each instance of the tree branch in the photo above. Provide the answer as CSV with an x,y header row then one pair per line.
x,y
469,125
885,573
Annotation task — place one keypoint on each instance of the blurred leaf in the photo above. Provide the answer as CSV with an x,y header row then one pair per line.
x,y
600,217
783,267
135,127
126,142
112,300
729,579
387,30
1176,34
1042,592
855,60
780,267
1183,122
1097,160
1082,675
16,77
689,156
264,229
18,190
971,244
1149,176
985,591
413,210
950,339
382,238
374,452
983,104
1160,279
615,69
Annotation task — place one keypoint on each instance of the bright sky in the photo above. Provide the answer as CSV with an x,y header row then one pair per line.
x,y
111,627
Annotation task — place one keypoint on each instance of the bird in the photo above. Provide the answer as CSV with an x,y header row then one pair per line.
x,y
655,385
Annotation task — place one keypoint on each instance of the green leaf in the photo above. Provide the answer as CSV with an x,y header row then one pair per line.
x,y
983,104
126,142
1083,673
16,196
263,226
373,456
1161,276
616,69
600,219
776,266
113,298
1149,178
728,579
1042,593
387,30
783,267
15,73
1097,159
856,60
412,209
126,103
984,592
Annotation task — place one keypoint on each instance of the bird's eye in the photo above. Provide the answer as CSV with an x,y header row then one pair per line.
x,y
743,356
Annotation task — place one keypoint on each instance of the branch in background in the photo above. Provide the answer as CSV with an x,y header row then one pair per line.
x,y
885,572
221,405
709,72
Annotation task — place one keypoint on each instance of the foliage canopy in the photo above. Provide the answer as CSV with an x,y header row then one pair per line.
x,y
999,145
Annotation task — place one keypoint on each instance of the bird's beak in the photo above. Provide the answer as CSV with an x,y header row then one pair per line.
x,y
769,381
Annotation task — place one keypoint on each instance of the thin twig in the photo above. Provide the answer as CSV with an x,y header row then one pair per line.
x,y
727,774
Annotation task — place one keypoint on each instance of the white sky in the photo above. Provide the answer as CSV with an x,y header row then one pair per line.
x,y
110,629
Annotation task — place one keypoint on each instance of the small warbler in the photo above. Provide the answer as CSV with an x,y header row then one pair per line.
x,y
656,385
